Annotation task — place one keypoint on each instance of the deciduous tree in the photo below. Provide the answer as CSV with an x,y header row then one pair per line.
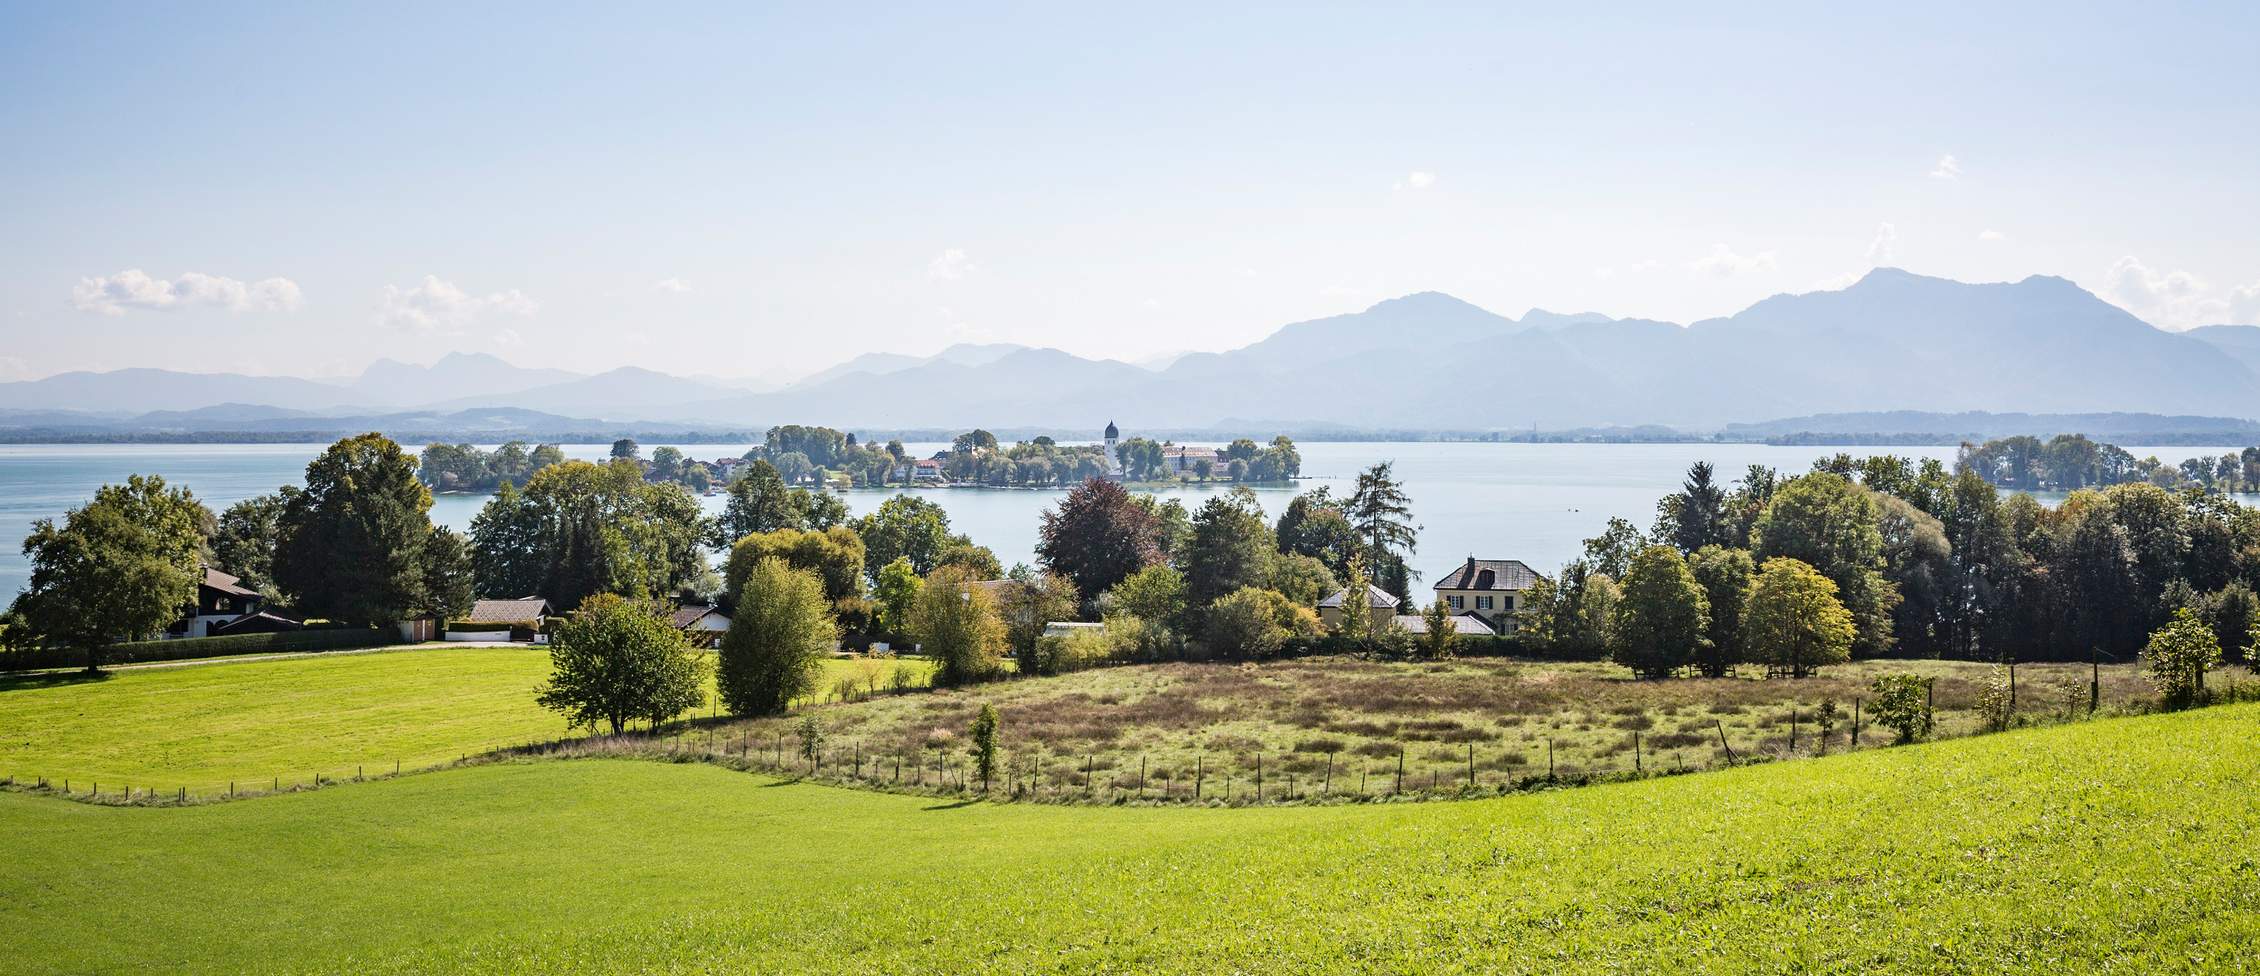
x,y
614,660
1794,620
780,633
120,567
1097,536
1662,619
957,625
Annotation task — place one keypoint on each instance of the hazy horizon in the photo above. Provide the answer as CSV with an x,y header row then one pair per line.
x,y
722,191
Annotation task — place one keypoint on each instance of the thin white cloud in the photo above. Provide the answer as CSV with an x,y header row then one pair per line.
x,y
672,286
13,368
2177,299
1723,262
1418,179
950,265
439,307
508,337
135,289
1884,249
1948,168
1992,235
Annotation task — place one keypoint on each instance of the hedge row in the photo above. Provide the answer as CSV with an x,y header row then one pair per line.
x,y
192,648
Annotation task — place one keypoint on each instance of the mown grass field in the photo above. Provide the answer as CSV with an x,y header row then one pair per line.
x,y
2124,845
201,726
1166,722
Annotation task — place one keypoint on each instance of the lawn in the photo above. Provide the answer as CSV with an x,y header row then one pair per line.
x,y
2122,845
1345,721
202,726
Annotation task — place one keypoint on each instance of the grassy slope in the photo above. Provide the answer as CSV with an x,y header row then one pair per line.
x,y
203,725
2124,845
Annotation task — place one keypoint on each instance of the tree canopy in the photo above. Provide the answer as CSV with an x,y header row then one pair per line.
x,y
120,567
614,660
351,542
780,633
1097,536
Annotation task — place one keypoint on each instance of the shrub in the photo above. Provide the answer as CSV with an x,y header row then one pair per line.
x,y
2178,656
812,737
1993,700
1902,704
985,744
1256,623
1074,651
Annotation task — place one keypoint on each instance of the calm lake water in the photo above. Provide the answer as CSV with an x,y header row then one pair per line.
x,y
1533,502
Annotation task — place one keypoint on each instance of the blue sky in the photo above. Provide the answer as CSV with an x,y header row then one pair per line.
x,y
745,192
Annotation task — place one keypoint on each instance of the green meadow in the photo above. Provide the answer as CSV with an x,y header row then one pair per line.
x,y
202,726
2121,845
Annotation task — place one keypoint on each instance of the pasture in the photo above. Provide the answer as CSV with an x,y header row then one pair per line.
x,y
1340,724
2124,845
203,725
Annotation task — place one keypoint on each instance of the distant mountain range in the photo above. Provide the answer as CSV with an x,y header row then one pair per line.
x,y
1893,341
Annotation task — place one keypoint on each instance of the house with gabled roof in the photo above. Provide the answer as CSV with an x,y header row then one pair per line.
x,y
1378,604
1492,589
225,606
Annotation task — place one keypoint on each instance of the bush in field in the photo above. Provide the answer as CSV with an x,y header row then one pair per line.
x,y
1994,706
1257,623
2178,656
1135,638
1902,704
985,744
956,624
810,732
1074,651
615,660
778,639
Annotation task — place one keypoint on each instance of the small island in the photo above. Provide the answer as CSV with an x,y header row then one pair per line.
x,y
830,458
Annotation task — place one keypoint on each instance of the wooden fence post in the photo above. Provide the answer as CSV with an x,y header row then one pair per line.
x,y
1471,765
1723,744
1855,722
1637,769
1549,759
1400,788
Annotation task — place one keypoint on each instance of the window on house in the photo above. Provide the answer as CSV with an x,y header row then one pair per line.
x,y
1456,602
1509,603
1483,603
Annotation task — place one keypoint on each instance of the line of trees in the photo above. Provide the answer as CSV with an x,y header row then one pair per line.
x,y
2068,462
353,545
1920,563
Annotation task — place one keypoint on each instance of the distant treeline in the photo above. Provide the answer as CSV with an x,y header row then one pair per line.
x,y
2068,462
